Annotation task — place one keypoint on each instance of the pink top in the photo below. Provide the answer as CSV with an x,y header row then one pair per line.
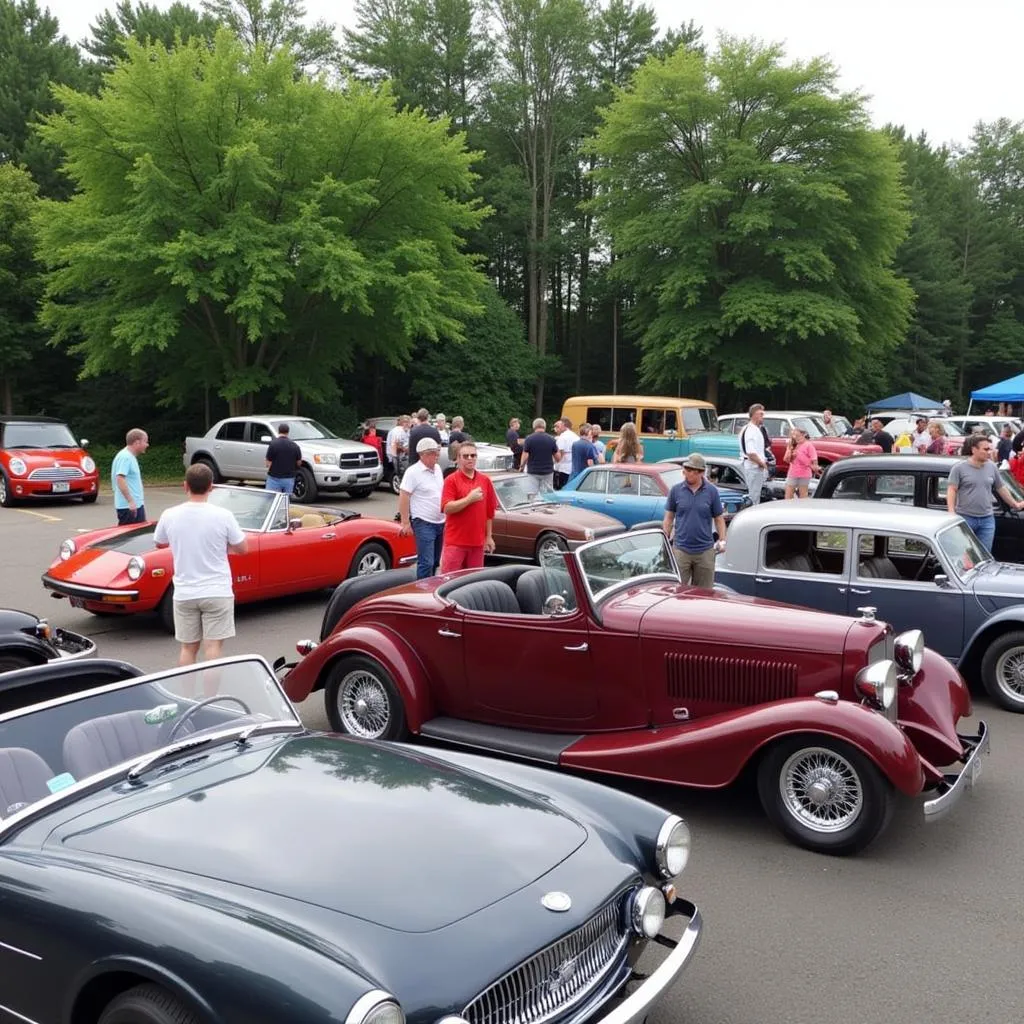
x,y
803,457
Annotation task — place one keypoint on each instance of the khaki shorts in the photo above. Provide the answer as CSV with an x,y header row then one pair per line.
x,y
204,618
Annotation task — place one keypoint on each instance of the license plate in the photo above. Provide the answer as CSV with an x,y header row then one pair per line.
x,y
77,602
61,488
977,767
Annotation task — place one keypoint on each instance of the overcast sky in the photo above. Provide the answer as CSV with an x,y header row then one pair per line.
x,y
930,65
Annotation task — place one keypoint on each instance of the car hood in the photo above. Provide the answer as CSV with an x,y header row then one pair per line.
x,y
838,446
997,584
566,515
46,458
99,561
335,444
339,824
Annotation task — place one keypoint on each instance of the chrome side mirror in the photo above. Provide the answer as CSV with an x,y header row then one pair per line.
x,y
84,442
941,580
670,434
265,439
294,524
554,605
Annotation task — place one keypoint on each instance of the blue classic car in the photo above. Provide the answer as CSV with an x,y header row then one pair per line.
x,y
178,847
632,492
915,568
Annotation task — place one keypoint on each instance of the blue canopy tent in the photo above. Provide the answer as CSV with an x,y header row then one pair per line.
x,y
908,401
1009,390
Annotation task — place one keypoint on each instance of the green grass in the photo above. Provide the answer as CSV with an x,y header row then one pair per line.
x,y
160,465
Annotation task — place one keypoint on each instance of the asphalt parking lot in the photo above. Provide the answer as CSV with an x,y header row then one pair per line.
x,y
924,926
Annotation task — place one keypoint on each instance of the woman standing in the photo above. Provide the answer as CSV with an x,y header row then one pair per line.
x,y
628,448
803,461
938,442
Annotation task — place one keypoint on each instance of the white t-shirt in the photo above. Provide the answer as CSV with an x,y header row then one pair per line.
x,y
396,436
424,489
565,440
919,441
199,534
752,441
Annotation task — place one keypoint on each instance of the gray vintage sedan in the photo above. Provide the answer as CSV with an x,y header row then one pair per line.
x,y
914,568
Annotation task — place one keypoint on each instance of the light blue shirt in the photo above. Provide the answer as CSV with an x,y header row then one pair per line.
x,y
125,464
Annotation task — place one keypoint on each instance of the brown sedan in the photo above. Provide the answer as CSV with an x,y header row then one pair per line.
x,y
526,526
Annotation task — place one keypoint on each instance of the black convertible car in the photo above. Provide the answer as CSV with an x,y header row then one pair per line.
x,y
26,639
178,848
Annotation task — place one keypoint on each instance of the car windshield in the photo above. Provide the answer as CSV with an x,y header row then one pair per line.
x,y
38,435
53,746
515,491
672,477
632,557
1012,484
813,427
306,430
698,421
250,507
962,549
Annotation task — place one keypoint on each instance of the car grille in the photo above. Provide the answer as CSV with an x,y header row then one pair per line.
x,y
556,978
57,473
725,680
358,460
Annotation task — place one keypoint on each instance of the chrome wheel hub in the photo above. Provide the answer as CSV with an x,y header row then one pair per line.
x,y
1010,673
821,789
363,705
370,563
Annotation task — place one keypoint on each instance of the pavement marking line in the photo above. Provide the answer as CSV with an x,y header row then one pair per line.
x,y
39,515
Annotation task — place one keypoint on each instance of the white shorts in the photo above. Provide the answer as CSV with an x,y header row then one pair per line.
x,y
204,618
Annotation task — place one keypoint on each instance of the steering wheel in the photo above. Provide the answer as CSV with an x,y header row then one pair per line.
x,y
177,727
928,560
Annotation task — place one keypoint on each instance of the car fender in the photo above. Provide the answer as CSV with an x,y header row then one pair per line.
x,y
384,646
35,648
712,752
1006,618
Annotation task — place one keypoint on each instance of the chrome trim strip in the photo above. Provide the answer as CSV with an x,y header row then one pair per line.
x,y
20,1016
85,653
23,952
954,786
407,560
78,590
364,1004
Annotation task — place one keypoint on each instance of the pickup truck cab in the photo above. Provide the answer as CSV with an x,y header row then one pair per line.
x,y
779,424
236,449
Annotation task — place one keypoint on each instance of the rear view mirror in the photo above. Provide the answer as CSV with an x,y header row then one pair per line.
x,y
84,442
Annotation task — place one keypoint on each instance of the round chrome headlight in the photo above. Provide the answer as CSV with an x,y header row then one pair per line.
x,y
136,567
878,683
67,549
672,850
88,466
647,911
908,651
376,1007
18,467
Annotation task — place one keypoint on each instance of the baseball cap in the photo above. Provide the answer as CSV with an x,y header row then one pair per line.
x,y
427,444
695,461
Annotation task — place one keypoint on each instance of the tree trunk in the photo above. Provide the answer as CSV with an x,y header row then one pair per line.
x,y
8,397
714,371
240,406
615,346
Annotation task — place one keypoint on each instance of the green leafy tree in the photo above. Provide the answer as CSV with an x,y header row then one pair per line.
x,y
756,216
145,23
255,228
32,56
20,278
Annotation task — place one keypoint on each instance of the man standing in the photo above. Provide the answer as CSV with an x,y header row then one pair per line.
x,y
830,427
515,442
690,510
396,444
441,423
469,503
920,439
419,506
565,438
423,429
539,452
283,458
755,463
455,437
880,436
126,479
583,452
200,535
970,488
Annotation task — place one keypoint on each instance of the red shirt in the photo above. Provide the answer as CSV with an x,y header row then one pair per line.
x,y
371,438
468,528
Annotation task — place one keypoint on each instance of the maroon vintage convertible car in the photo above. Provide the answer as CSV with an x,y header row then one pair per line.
x,y
608,663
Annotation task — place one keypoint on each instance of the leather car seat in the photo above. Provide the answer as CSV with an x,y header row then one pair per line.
x,y
486,596
533,588
794,563
879,567
94,746
313,519
23,778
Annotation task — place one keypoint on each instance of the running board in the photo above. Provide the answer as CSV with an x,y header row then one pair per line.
x,y
545,747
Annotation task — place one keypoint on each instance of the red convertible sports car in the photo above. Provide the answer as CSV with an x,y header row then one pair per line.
x,y
608,663
292,548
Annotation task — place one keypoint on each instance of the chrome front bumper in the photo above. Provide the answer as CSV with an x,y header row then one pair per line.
x,y
953,786
72,645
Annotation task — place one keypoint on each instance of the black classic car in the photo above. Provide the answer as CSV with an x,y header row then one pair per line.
x,y
178,847
26,639
919,480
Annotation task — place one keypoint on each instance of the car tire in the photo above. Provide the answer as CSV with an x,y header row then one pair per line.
x,y
147,1004
12,662
1002,670
90,499
6,498
305,485
370,558
547,544
396,483
165,609
362,700
845,823
205,461
360,492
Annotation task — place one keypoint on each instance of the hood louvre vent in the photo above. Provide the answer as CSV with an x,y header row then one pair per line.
x,y
740,681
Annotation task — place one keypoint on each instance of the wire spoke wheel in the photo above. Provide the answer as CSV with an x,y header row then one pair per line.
x,y
1010,672
821,789
364,705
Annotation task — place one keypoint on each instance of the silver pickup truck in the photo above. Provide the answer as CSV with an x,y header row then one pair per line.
x,y
236,449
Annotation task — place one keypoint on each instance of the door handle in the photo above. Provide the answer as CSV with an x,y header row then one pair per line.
x,y
327,536
609,501
855,590
448,632
762,579
842,590
578,647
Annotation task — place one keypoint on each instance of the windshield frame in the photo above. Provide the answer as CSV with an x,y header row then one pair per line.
x,y
597,599
90,783
959,574
523,504
271,505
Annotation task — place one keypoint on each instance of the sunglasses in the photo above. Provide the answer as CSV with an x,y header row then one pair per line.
x,y
468,455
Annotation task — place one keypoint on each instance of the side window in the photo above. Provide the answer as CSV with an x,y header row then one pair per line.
x,y
805,551
895,488
649,488
652,421
593,483
775,427
620,417
852,485
937,490
623,484
670,420
891,556
259,430
280,517
601,415
233,431
730,477
736,426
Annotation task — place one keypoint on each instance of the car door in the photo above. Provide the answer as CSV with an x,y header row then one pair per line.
x,y
805,566
227,448
624,499
254,451
588,491
310,556
894,573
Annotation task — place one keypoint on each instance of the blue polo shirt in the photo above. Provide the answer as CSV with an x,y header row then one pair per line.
x,y
694,512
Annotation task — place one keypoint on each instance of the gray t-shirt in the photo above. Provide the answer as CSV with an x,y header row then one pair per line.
x,y
974,486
